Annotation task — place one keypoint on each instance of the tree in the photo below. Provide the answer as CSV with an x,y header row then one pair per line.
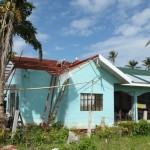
x,y
132,64
13,21
112,56
146,63
147,43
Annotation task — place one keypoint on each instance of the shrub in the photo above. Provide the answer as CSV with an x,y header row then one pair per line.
x,y
127,127
133,128
35,136
86,144
142,128
107,132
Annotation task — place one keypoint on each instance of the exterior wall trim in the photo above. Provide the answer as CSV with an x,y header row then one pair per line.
x,y
114,70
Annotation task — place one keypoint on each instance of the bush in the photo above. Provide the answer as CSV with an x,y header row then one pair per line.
x,y
142,128
108,132
133,128
127,127
35,136
86,144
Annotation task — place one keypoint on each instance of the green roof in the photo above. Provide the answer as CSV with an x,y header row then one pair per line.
x,y
134,71
137,75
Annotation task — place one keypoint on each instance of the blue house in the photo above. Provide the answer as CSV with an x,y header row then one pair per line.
x,y
68,91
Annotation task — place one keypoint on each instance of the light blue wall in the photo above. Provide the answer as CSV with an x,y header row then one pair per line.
x,y
135,92
70,113
31,102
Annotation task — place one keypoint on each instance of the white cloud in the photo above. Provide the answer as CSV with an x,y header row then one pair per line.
x,y
33,18
82,24
127,48
128,30
19,45
58,48
136,24
91,6
42,36
102,10
128,3
72,31
45,53
141,18
82,27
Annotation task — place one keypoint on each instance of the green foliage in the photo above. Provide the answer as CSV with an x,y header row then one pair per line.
x,y
146,63
105,132
133,128
24,28
38,136
20,10
110,132
112,56
127,127
142,128
58,125
147,43
132,64
35,137
86,144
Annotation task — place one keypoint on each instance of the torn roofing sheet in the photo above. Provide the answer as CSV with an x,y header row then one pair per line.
x,y
54,67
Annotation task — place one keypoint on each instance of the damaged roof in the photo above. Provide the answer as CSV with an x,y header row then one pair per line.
x,y
54,67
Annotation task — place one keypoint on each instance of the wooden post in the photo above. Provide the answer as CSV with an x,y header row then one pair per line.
x,y
145,115
46,102
15,122
90,114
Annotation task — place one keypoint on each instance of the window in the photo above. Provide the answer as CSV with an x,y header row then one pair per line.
x,y
96,102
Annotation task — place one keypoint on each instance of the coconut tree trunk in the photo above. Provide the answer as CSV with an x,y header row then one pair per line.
x,y
1,99
5,49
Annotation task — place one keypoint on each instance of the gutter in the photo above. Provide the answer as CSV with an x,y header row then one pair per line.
x,y
137,85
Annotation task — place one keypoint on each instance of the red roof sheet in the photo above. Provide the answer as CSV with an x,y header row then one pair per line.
x,y
54,67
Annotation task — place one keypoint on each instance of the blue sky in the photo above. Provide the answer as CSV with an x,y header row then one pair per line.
x,y
82,28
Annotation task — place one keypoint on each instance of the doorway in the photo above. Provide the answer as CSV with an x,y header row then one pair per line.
x,y
144,106
123,106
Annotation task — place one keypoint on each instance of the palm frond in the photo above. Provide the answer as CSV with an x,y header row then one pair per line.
x,y
147,43
27,32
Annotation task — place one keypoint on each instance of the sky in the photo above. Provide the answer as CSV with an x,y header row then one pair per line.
x,y
82,28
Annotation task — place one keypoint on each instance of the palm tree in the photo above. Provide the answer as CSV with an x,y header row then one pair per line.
x,y
146,63
112,56
147,43
13,21
132,64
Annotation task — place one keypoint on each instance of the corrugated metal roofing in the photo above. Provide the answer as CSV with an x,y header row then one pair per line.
x,y
137,75
54,67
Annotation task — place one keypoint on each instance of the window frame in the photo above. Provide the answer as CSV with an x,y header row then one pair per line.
x,y
85,100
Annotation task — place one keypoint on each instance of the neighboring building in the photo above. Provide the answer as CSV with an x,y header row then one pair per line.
x,y
113,94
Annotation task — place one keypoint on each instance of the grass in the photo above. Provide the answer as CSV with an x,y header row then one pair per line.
x,y
124,143
135,136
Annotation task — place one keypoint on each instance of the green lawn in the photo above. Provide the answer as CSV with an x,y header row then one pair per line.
x,y
124,143
127,136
